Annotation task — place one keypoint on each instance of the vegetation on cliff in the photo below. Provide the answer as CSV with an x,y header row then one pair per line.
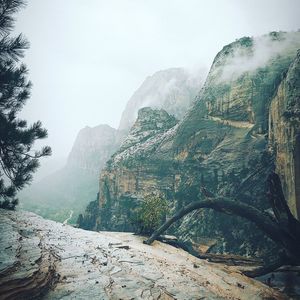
x,y
150,214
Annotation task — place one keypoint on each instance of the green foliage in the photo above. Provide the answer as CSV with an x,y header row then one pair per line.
x,y
88,219
150,215
17,160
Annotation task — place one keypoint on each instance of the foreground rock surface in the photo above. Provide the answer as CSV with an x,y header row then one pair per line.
x,y
49,260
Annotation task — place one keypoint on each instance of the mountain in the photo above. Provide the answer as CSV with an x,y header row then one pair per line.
x,y
67,191
243,125
93,146
284,134
172,89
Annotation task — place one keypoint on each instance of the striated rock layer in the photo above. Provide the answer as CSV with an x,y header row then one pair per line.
x,y
44,259
223,144
284,134
27,266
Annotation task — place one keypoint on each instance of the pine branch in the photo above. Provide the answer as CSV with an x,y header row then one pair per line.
x,y
7,9
13,48
17,161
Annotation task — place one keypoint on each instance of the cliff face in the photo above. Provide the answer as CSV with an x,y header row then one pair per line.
x,y
137,169
284,134
75,185
93,147
221,144
172,90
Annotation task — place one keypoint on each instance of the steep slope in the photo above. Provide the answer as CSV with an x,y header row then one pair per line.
x,y
172,90
69,263
221,145
93,146
284,134
132,172
72,187
67,192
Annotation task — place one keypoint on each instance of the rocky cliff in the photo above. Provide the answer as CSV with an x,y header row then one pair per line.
x,y
70,189
93,147
118,180
173,90
222,144
284,134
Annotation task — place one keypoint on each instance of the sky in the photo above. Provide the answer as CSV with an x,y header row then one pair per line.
x,y
88,57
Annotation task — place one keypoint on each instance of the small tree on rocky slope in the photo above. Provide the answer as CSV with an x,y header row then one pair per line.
x,y
17,160
150,215
281,227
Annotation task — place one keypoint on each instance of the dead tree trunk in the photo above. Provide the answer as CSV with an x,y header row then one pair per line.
x,y
283,228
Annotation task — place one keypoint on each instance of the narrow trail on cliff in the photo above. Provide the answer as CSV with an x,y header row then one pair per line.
x,y
69,218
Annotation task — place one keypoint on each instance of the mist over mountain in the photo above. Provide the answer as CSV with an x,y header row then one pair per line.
x,y
173,90
67,191
149,149
221,145
93,146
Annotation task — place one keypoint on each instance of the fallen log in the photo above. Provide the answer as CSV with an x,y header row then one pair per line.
x,y
283,228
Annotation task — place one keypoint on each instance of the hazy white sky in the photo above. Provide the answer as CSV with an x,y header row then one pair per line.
x,y
88,57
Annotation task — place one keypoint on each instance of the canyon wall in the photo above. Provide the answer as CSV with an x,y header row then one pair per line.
x,y
71,188
284,134
222,145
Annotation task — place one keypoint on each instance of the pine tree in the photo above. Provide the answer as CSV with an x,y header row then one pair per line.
x,y
18,161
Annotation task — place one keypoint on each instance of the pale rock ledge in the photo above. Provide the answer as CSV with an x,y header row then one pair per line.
x,y
44,259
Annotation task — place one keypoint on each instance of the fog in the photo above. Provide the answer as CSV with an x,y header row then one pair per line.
x,y
88,57
165,89
264,49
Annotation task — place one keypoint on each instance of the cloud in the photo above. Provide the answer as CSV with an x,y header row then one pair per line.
x,y
172,89
263,49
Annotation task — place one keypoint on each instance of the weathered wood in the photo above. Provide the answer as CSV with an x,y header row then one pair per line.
x,y
268,268
230,259
284,229
289,225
